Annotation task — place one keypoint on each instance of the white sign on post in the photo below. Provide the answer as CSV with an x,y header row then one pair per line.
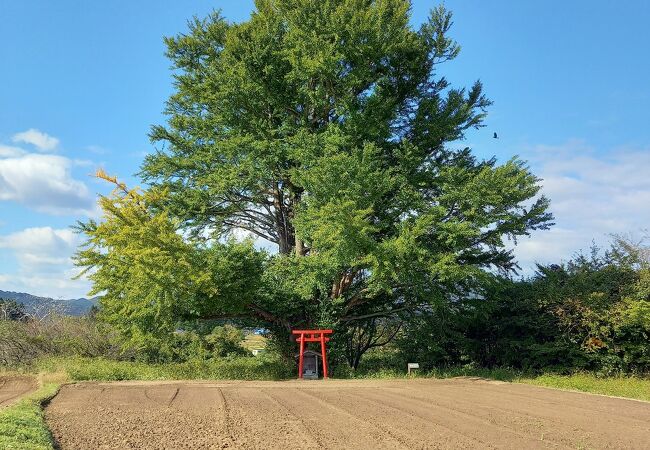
x,y
412,366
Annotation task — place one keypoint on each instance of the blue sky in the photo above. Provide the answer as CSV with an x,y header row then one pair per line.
x,y
82,82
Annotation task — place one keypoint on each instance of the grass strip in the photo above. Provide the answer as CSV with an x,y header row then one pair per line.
x,y
22,425
100,369
268,368
623,386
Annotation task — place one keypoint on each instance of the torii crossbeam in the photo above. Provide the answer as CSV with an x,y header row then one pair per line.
x,y
312,336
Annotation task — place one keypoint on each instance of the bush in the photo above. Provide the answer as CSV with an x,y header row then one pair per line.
x,y
194,343
380,362
18,347
229,368
226,341
12,310
22,342
590,314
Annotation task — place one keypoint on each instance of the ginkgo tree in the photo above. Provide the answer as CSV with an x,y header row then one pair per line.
x,y
324,131
151,279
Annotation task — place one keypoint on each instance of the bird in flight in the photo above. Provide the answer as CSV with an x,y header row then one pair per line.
x,y
495,136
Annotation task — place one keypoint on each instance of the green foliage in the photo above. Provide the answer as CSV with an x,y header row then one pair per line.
x,y
152,279
378,363
435,338
23,427
630,323
181,346
265,367
226,341
198,343
326,129
588,314
594,303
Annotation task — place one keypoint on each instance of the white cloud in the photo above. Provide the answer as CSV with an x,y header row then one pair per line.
x,y
44,264
593,195
42,141
38,260
7,151
40,240
55,285
39,248
44,183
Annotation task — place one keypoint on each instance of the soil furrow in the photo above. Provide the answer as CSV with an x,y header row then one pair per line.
x,y
336,427
405,425
468,425
578,416
13,389
339,414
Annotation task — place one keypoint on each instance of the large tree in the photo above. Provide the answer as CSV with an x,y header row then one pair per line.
x,y
325,129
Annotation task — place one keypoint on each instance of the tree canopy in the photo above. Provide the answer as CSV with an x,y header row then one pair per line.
x,y
325,130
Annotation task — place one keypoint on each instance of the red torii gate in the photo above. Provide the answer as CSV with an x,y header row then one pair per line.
x,y
312,336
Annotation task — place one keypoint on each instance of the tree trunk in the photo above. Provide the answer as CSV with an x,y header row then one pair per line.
x,y
281,222
300,250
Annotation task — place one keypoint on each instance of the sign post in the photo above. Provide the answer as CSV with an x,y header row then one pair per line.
x,y
312,336
412,367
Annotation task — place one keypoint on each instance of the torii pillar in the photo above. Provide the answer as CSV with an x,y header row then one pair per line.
x,y
312,336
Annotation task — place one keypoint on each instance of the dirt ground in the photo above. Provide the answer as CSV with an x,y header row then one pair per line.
x,y
457,413
13,388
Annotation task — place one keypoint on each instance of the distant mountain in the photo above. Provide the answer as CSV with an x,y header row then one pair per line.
x,y
41,305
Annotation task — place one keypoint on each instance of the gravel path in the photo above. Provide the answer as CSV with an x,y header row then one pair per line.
x,y
457,413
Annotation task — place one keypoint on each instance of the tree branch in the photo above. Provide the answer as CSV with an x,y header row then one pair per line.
x,y
371,315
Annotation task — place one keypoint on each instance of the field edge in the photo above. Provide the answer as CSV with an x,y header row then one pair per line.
x,y
22,425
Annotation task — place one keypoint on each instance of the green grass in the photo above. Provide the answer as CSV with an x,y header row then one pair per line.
x,y
618,386
271,368
624,386
376,370
22,426
254,341
100,369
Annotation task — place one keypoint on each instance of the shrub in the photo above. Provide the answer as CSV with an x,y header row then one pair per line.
x,y
226,341
230,368
22,342
17,346
12,310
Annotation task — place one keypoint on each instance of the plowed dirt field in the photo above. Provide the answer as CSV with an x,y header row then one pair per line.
x,y
364,414
13,388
